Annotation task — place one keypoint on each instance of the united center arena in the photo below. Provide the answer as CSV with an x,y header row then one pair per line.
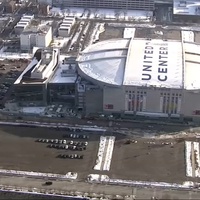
x,y
144,77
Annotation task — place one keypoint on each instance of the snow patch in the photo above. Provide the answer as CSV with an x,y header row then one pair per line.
x,y
187,36
34,110
197,159
54,125
102,146
91,13
96,178
16,56
109,152
188,150
129,33
69,175
104,156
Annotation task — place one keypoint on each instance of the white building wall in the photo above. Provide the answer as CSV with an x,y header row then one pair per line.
x,y
49,36
25,42
63,32
113,99
32,39
44,40
190,103
40,40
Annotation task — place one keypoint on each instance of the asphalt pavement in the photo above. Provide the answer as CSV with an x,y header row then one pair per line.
x,y
109,190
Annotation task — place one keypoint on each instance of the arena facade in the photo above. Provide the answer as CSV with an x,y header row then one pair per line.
x,y
145,77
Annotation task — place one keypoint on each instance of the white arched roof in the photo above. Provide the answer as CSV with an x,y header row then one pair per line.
x,y
140,62
105,61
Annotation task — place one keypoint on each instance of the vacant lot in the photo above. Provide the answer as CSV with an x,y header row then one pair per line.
x,y
149,162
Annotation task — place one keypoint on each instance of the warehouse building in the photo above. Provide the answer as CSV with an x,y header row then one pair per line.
x,y
141,77
36,36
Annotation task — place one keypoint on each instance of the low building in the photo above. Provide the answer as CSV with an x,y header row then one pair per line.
x,y
62,87
65,27
23,24
31,86
39,36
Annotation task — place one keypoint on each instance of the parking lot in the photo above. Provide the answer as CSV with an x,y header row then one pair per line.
x,y
21,150
9,72
62,151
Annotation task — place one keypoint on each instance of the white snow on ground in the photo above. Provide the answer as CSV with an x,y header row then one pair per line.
x,y
9,55
109,152
131,25
95,178
129,33
188,151
69,175
102,13
104,156
59,42
75,38
93,129
102,146
187,36
54,125
185,28
77,12
98,29
197,159
95,34
34,110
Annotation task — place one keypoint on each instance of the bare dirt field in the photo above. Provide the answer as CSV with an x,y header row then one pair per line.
x,y
149,162
140,161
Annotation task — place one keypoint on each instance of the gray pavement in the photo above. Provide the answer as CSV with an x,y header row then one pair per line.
x,y
72,187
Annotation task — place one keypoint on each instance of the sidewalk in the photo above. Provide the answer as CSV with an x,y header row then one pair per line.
x,y
90,189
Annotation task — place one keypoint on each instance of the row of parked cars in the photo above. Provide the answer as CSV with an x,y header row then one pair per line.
x,y
70,156
57,141
67,147
69,129
76,136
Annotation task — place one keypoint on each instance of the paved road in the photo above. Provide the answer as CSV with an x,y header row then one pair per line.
x,y
141,193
